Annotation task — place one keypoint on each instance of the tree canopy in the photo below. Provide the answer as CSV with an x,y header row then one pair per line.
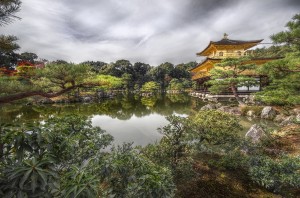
x,y
229,75
284,74
8,8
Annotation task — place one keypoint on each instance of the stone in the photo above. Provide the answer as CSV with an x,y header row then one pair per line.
x,y
289,120
230,110
208,107
279,118
87,99
268,113
225,109
255,133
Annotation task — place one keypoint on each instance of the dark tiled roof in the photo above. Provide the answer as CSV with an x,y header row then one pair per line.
x,y
234,42
226,41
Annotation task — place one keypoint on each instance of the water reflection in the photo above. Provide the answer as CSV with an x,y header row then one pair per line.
x,y
129,118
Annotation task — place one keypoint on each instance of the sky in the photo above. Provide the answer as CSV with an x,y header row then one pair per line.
x,y
149,31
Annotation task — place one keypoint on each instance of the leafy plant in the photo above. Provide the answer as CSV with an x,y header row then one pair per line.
x,y
275,174
125,173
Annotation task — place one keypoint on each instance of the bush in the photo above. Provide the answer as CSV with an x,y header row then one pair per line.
x,y
215,128
275,174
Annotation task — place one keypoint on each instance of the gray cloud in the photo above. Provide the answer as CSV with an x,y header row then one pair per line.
x,y
151,31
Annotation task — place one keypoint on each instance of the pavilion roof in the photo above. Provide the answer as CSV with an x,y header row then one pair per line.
x,y
225,43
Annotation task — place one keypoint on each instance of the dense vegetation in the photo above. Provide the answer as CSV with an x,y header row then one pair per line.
x,y
68,157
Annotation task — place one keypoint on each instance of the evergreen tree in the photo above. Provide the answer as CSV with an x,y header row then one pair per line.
x,y
284,74
230,74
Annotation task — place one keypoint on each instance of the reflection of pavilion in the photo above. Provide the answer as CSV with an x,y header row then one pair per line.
x,y
225,48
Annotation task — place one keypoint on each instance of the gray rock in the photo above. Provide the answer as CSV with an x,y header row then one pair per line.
x,y
209,106
87,99
289,120
255,133
225,109
230,110
279,118
268,113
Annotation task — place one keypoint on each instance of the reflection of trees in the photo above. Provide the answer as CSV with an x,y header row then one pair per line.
x,y
180,98
149,101
122,108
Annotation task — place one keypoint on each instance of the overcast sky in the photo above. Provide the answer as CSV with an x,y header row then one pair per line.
x,y
150,31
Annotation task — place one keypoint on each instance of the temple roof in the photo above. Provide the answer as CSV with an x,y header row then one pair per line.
x,y
204,61
225,43
233,42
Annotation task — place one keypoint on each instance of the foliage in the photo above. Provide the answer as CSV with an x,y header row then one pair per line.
x,y
80,181
232,160
52,81
141,74
175,138
97,66
8,58
150,87
175,84
275,174
109,82
7,10
36,160
11,85
270,52
8,43
215,128
128,174
64,158
173,150
127,81
284,74
63,75
230,74
291,36
28,56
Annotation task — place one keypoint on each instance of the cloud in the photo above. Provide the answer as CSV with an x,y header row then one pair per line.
x,y
150,31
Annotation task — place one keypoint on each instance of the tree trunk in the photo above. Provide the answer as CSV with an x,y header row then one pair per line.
x,y
233,89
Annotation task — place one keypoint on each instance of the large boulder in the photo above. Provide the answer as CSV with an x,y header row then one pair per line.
x,y
268,113
255,133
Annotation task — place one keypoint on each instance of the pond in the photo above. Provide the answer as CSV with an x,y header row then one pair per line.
x,y
129,118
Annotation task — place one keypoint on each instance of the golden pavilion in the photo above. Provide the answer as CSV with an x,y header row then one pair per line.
x,y
225,48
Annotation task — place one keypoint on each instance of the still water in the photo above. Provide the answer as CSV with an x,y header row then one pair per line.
x,y
128,118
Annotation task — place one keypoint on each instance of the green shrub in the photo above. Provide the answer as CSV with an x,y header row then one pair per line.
x,y
275,174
